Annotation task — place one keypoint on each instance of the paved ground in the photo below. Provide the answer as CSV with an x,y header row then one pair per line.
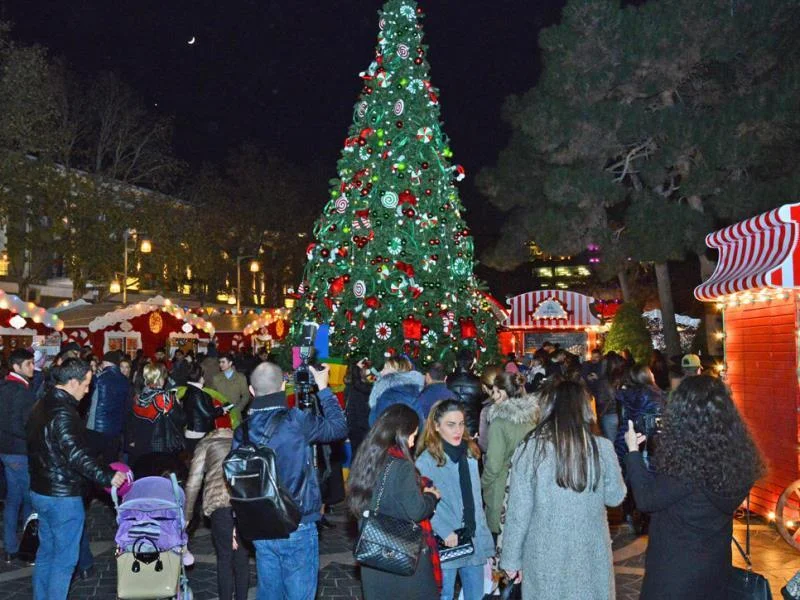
x,y
338,579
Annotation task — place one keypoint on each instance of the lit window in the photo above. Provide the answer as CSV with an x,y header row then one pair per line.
x,y
4,265
561,285
544,272
563,272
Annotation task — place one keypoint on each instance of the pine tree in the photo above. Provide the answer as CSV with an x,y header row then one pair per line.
x,y
391,266
629,332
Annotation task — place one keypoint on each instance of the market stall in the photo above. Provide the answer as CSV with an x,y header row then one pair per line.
x,y
756,284
145,325
25,325
269,330
558,316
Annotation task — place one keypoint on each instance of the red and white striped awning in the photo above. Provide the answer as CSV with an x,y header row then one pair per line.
x,y
761,252
551,309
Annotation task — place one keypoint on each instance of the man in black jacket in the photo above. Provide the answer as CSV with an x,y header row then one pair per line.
x,y
16,402
467,387
61,468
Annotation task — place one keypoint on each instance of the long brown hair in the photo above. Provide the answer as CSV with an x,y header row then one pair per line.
x,y
566,423
432,440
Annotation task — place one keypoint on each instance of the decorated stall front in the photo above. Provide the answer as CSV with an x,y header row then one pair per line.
x,y
145,325
756,284
559,316
266,330
25,325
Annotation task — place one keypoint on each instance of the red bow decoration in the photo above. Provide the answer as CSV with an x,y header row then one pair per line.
x,y
337,286
416,291
328,302
412,328
407,197
362,214
367,131
405,268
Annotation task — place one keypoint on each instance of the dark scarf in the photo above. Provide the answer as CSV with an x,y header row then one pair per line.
x,y
425,525
458,454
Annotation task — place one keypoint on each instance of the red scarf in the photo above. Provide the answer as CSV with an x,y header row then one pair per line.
x,y
427,529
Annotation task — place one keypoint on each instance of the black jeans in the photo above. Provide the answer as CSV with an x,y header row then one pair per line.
x,y
233,568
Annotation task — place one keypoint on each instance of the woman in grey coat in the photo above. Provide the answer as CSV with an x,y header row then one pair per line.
x,y
562,479
450,460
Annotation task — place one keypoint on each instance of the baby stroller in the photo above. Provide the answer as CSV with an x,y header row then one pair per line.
x,y
151,539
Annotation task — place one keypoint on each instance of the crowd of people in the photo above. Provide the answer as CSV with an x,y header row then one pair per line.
x,y
515,466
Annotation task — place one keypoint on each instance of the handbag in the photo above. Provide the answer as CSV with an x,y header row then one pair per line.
x,y
142,574
388,543
29,543
462,548
745,584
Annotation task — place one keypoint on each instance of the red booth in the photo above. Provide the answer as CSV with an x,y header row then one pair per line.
x,y
558,316
756,285
25,325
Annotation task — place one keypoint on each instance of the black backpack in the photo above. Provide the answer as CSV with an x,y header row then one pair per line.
x,y
264,510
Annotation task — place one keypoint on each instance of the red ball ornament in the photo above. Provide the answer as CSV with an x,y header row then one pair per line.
x,y
325,253
399,124
428,192
418,60
365,192
425,165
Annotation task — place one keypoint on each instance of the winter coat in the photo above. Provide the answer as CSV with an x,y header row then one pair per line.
x,y
432,394
449,514
108,402
689,550
508,423
292,443
235,389
634,402
207,465
403,499
158,423
556,536
357,409
200,410
467,388
59,460
396,388
16,402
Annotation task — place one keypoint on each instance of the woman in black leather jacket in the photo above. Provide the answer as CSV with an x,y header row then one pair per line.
x,y
199,408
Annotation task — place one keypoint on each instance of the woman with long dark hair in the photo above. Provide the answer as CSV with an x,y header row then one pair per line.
x,y
562,479
449,456
387,451
704,468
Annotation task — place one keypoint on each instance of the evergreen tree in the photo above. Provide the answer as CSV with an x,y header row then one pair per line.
x,y
629,332
391,266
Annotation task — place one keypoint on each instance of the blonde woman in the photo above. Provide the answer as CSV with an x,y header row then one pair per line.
x,y
397,383
449,458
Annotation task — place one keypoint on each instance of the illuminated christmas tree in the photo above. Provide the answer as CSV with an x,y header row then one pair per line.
x,y
391,266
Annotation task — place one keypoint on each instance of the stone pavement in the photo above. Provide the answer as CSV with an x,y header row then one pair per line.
x,y
338,577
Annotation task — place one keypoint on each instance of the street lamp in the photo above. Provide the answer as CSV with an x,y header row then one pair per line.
x,y
145,247
254,268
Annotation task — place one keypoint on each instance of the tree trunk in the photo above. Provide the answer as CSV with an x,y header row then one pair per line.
x,y
711,317
668,324
625,285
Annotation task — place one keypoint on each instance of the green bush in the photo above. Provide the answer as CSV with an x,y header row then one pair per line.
x,y
629,330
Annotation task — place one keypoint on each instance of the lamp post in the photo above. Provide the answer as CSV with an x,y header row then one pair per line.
x,y
254,268
145,247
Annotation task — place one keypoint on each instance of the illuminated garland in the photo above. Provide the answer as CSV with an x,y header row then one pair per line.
x,y
29,310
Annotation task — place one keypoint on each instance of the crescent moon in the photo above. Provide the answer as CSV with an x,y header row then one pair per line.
x,y
192,41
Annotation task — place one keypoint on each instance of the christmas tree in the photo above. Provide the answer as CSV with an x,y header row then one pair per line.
x,y
391,267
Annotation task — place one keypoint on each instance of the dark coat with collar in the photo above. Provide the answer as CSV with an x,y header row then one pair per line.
x,y
292,443
16,402
110,402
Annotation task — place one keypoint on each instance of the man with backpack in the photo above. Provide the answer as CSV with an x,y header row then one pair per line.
x,y
287,568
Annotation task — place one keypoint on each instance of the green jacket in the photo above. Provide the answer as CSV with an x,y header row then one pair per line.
x,y
235,389
509,422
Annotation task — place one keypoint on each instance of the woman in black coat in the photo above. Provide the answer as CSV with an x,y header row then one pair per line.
x,y
383,477
199,408
357,404
705,464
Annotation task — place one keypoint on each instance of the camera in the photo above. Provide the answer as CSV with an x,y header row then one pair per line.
x,y
649,424
303,379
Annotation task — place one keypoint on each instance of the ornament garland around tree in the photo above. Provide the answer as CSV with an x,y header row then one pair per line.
x,y
390,269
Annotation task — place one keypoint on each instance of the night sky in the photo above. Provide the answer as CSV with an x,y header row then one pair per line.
x,y
285,74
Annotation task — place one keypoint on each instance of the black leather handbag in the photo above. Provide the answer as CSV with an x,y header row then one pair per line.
x,y
745,584
388,543
264,510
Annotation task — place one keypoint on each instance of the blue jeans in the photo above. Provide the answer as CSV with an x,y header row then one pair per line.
x,y
60,525
85,556
18,495
287,569
471,582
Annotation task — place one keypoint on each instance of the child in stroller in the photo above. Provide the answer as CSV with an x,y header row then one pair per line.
x,y
151,541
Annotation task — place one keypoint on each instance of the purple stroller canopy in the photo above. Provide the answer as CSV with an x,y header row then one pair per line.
x,y
153,513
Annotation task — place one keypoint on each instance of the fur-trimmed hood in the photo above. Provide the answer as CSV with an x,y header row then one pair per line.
x,y
524,409
412,379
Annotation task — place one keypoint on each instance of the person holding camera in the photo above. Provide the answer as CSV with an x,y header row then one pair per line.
x,y
705,465
287,568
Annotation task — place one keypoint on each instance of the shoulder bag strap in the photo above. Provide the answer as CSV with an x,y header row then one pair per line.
x,y
277,419
745,552
383,484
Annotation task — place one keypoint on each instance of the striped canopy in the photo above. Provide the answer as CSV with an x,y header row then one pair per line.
x,y
551,309
761,252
